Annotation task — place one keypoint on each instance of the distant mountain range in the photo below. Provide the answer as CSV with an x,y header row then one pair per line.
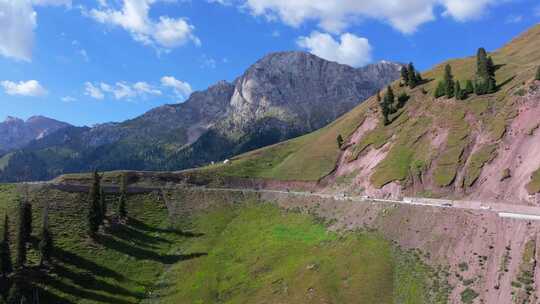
x,y
15,133
282,96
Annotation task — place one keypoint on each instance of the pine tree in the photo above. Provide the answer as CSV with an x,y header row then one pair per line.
x,y
449,84
339,141
122,212
440,91
490,67
538,74
46,242
27,211
405,75
412,82
485,73
6,267
460,94
94,210
402,100
482,64
22,235
469,87
103,204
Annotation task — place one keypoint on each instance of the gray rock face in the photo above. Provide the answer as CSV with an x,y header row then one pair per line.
x,y
16,133
303,90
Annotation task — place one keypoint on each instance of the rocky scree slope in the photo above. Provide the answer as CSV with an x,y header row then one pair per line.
x,y
482,148
281,96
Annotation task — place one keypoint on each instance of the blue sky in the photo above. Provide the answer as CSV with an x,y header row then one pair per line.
x,y
95,61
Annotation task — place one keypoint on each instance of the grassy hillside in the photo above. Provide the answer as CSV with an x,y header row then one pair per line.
x,y
122,267
444,142
259,254
251,253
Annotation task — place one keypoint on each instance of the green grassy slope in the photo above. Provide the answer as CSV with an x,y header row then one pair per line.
x,y
259,254
121,268
312,157
251,253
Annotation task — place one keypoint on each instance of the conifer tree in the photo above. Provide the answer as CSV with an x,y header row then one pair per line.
x,y
46,242
94,211
412,82
6,267
538,74
27,211
103,204
402,100
20,259
440,91
339,141
490,67
469,87
460,94
482,64
405,75
449,84
485,74
122,212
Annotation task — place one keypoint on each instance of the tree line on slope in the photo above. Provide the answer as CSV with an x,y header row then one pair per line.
x,y
13,274
97,216
484,83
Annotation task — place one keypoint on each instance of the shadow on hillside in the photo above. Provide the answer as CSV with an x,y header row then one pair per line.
x,y
502,84
125,247
79,282
143,226
87,280
70,258
132,234
81,293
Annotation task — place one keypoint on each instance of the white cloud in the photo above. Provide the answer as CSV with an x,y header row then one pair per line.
x,y
68,99
181,88
336,15
93,91
17,23
24,88
351,49
134,17
18,20
146,88
120,90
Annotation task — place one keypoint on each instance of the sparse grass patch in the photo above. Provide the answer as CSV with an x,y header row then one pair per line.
x,y
477,161
534,185
468,296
